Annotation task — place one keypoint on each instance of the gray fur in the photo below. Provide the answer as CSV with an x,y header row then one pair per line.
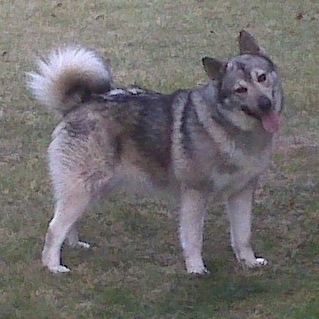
x,y
201,144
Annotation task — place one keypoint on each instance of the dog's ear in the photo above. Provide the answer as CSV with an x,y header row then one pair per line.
x,y
248,44
213,68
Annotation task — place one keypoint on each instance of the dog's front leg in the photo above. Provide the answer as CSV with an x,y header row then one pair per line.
x,y
192,214
239,208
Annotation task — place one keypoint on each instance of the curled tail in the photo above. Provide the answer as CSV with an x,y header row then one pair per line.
x,y
67,77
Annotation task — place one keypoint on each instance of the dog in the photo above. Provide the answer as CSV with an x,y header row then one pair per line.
x,y
204,144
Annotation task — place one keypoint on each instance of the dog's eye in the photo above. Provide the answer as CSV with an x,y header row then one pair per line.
x,y
241,90
262,78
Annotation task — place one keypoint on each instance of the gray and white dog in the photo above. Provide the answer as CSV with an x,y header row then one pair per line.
x,y
207,143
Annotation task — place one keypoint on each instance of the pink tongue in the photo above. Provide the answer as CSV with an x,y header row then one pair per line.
x,y
271,121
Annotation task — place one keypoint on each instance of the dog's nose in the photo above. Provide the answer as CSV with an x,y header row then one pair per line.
x,y
264,103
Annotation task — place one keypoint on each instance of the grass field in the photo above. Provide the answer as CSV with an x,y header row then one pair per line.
x,y
135,268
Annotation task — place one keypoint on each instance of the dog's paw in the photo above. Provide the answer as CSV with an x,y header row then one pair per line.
x,y
261,262
83,245
256,263
203,273
59,269
197,269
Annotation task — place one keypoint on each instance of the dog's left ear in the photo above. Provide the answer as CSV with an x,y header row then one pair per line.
x,y
248,44
213,68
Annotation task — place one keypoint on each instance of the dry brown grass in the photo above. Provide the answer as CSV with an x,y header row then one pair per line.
x,y
135,269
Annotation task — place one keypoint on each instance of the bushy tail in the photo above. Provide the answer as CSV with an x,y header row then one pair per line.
x,y
67,76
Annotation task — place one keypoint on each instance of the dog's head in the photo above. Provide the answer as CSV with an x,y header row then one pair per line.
x,y
249,86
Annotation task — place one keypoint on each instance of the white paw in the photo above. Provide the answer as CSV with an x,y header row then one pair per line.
x,y
201,272
197,268
255,263
59,269
261,262
82,244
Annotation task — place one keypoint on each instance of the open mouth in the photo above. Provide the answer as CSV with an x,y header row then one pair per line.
x,y
270,120
247,111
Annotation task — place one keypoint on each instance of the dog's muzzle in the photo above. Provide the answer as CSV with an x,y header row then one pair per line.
x,y
264,103
270,119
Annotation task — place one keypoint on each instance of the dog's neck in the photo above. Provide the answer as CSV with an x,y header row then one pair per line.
x,y
210,95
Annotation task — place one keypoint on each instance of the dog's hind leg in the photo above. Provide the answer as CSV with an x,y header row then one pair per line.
x,y
239,207
73,239
191,230
69,209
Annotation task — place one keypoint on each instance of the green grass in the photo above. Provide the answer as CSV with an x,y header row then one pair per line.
x,y
135,267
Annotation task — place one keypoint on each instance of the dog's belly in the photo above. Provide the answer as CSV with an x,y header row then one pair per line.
x,y
142,172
